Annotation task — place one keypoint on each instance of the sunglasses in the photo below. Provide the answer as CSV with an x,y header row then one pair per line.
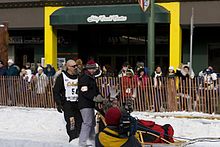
x,y
74,66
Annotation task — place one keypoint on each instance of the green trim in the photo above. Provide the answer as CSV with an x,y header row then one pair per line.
x,y
131,12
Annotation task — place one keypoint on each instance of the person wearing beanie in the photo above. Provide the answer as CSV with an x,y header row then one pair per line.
x,y
87,91
125,68
113,116
110,136
171,73
41,81
66,98
13,70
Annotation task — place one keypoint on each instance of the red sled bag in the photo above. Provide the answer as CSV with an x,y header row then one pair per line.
x,y
166,132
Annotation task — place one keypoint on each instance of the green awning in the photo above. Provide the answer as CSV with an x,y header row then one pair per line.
x,y
107,14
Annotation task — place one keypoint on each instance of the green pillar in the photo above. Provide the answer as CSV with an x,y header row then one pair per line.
x,y
151,40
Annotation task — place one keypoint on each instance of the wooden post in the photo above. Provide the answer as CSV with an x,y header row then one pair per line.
x,y
171,101
218,96
4,39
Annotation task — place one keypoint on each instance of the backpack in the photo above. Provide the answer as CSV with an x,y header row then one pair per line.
x,y
153,132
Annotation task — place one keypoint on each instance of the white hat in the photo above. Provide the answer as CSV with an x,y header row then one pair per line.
x,y
39,68
171,68
10,61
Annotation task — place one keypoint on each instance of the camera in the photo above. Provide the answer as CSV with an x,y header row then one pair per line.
x,y
127,126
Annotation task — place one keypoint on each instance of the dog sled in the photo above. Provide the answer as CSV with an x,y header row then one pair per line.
x,y
149,133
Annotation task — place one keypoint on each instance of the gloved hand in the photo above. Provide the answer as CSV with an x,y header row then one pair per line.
x,y
98,102
98,98
60,108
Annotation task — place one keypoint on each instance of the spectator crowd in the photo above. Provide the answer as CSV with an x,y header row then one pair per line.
x,y
139,75
140,70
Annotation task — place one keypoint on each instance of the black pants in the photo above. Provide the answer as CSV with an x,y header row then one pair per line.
x,y
73,119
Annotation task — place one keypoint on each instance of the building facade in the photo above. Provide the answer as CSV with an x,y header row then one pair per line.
x,y
111,31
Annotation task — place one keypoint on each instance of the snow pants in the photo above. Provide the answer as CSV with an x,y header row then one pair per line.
x,y
73,119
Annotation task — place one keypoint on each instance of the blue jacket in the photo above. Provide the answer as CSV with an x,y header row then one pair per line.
x,y
51,72
3,71
12,71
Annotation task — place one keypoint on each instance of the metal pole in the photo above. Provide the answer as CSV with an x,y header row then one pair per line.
x,y
191,37
151,39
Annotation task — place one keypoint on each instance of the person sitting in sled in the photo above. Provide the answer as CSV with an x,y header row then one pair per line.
x,y
110,136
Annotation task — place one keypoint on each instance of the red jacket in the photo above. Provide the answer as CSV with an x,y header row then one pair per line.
x,y
128,85
141,82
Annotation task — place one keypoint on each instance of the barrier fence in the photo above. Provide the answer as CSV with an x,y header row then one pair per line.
x,y
15,91
148,94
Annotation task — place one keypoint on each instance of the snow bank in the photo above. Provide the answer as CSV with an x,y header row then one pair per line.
x,y
29,143
36,127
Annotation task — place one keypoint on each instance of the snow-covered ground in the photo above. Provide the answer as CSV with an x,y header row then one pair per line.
x,y
35,127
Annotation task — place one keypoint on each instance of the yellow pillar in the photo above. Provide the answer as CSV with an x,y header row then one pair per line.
x,y
175,33
50,38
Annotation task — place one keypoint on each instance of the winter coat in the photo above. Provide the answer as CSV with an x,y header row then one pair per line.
x,y
41,83
3,71
122,73
87,90
13,70
184,79
49,71
128,87
181,74
171,75
208,79
111,138
157,79
29,76
59,89
141,81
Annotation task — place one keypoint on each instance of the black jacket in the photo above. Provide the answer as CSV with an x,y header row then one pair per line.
x,y
87,90
59,90
180,75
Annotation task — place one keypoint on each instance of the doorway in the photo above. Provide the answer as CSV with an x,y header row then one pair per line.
x,y
214,56
23,54
116,44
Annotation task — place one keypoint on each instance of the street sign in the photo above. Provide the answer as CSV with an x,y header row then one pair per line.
x,y
144,4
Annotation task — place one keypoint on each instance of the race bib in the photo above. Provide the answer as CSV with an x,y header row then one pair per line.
x,y
71,86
